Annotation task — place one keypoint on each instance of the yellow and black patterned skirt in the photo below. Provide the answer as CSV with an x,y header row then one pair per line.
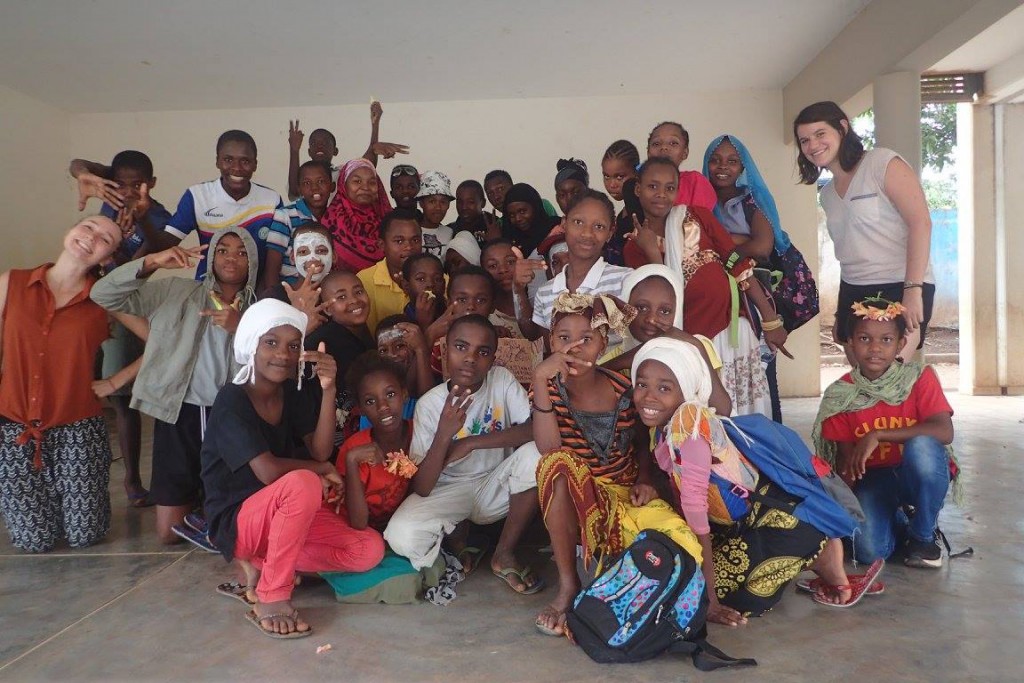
x,y
757,557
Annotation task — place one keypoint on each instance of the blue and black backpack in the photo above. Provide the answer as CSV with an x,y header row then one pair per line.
x,y
650,599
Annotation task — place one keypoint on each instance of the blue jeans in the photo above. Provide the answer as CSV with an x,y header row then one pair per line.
x,y
921,480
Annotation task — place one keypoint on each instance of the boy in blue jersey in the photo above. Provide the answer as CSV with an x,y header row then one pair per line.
x,y
125,188
231,201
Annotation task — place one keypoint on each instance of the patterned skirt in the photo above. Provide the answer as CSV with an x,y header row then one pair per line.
x,y
608,520
742,373
757,557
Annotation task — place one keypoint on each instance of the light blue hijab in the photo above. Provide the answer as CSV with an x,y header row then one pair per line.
x,y
750,180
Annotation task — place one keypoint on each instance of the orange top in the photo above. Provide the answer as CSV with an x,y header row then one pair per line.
x,y
384,491
48,356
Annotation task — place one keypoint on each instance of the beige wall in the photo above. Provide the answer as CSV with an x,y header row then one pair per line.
x,y
465,139
34,191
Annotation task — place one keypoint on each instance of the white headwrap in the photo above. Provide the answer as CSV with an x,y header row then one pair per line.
x,y
685,362
465,244
662,271
257,320
312,240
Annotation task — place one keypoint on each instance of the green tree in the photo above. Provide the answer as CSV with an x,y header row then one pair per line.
x,y
938,133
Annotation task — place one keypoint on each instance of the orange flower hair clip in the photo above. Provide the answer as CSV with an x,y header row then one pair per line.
x,y
883,310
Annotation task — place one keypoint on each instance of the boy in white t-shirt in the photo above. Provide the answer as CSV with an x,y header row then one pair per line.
x,y
435,196
464,433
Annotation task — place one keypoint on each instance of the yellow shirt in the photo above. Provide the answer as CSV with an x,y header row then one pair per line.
x,y
386,297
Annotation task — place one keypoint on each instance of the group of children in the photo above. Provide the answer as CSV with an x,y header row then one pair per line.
x,y
343,384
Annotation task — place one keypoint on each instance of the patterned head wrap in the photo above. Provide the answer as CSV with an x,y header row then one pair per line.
x,y
605,312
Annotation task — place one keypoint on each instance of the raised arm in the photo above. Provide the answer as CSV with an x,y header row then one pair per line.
x,y
93,180
376,148
295,136
451,420
320,443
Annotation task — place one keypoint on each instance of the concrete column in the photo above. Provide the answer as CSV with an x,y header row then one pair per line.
x,y
897,104
990,141
1010,249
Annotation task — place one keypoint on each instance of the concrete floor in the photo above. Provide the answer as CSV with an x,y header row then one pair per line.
x,y
129,609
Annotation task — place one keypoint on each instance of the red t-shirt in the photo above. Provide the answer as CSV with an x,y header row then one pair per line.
x,y
926,399
384,491
696,190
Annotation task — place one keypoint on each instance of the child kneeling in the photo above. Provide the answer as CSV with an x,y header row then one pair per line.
x,y
887,427
264,502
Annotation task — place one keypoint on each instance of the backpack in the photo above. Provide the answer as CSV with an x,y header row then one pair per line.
x,y
789,279
650,599
796,294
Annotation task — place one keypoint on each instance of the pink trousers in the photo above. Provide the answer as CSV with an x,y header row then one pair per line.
x,y
284,528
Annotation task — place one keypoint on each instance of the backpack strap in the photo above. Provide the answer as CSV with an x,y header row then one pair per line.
x,y
705,656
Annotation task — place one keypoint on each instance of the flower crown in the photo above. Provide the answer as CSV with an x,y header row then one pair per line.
x,y
883,310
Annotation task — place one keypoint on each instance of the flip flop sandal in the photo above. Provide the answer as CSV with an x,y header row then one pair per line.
x,y
521,574
859,589
140,500
816,585
477,554
197,522
195,538
550,631
233,589
255,620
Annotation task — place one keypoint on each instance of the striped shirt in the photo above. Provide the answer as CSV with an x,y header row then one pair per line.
x,y
612,459
602,278
286,220
206,208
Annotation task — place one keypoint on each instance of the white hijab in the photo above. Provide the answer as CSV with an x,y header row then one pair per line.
x,y
257,320
662,271
685,362
465,244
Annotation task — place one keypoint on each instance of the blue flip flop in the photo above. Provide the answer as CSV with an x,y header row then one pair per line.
x,y
195,538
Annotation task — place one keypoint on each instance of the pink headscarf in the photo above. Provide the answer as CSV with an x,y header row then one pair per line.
x,y
355,227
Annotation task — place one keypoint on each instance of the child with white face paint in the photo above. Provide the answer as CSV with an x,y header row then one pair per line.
x,y
312,251
313,254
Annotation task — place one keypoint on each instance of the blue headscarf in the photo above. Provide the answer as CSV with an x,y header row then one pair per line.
x,y
750,180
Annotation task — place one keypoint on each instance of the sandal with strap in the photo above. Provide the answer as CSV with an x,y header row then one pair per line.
x,y
858,590
236,590
816,585
256,620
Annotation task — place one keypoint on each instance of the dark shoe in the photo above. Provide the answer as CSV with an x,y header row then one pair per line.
x,y
923,554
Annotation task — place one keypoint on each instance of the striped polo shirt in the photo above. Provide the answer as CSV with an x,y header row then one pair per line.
x,y
286,220
207,208
602,278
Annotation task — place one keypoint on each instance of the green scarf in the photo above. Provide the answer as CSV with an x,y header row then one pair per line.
x,y
892,388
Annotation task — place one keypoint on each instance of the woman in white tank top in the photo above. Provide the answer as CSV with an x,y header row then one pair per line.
x,y
877,217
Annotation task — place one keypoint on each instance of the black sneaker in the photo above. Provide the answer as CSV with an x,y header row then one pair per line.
x,y
923,554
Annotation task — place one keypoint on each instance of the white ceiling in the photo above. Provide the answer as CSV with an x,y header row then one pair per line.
x,y
998,51
148,55
994,45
